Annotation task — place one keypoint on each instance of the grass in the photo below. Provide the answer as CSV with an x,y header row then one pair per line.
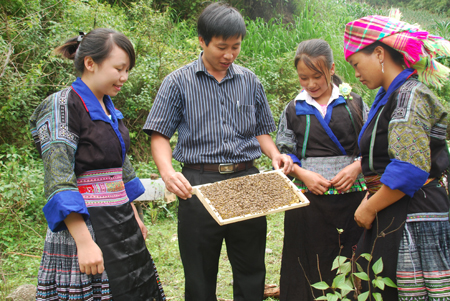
x,y
17,269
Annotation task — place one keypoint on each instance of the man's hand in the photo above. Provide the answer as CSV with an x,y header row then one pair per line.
x,y
162,155
177,183
282,160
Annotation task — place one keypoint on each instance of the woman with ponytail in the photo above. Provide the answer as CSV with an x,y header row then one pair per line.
x,y
404,156
95,244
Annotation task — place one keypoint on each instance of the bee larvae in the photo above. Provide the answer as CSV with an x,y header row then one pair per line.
x,y
250,195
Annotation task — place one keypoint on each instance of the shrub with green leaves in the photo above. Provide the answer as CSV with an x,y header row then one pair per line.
x,y
22,221
347,278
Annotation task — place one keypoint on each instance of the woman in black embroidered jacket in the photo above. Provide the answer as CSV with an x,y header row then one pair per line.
x,y
95,245
404,156
319,130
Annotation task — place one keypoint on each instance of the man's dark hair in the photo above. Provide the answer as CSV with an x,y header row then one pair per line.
x,y
220,20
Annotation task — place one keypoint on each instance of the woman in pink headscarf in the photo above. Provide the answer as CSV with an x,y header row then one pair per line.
x,y
404,156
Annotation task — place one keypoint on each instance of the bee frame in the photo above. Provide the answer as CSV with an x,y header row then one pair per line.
x,y
303,201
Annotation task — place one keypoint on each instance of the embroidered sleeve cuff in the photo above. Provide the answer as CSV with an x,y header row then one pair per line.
x,y
134,189
404,176
295,159
61,205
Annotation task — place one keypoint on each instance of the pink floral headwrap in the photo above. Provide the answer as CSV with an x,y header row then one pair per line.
x,y
419,48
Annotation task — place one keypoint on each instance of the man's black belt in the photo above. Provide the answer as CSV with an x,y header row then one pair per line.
x,y
223,168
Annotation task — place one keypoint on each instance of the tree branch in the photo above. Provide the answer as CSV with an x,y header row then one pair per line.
x,y
7,60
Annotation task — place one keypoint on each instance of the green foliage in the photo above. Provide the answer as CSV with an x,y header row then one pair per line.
x,y
269,48
180,9
161,47
253,9
443,29
344,282
158,210
363,296
25,69
21,202
268,9
433,6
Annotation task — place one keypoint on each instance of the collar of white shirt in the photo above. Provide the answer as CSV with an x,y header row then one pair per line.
x,y
304,96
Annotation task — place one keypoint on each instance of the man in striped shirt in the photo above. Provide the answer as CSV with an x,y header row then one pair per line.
x,y
223,121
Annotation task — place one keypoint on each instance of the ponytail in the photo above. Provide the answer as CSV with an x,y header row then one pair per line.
x,y
69,48
336,80
97,44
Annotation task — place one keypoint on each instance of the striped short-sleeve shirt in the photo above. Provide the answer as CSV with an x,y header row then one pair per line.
x,y
216,122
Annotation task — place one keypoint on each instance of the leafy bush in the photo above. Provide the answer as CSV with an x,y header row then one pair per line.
x,y
22,221
349,275
433,6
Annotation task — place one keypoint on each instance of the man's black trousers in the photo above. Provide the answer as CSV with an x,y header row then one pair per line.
x,y
200,240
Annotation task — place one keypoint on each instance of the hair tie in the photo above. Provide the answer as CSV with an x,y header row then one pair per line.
x,y
80,37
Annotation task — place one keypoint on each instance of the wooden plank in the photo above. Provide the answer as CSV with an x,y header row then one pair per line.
x,y
210,207
154,190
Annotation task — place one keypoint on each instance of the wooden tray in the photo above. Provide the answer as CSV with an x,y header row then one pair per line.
x,y
209,206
